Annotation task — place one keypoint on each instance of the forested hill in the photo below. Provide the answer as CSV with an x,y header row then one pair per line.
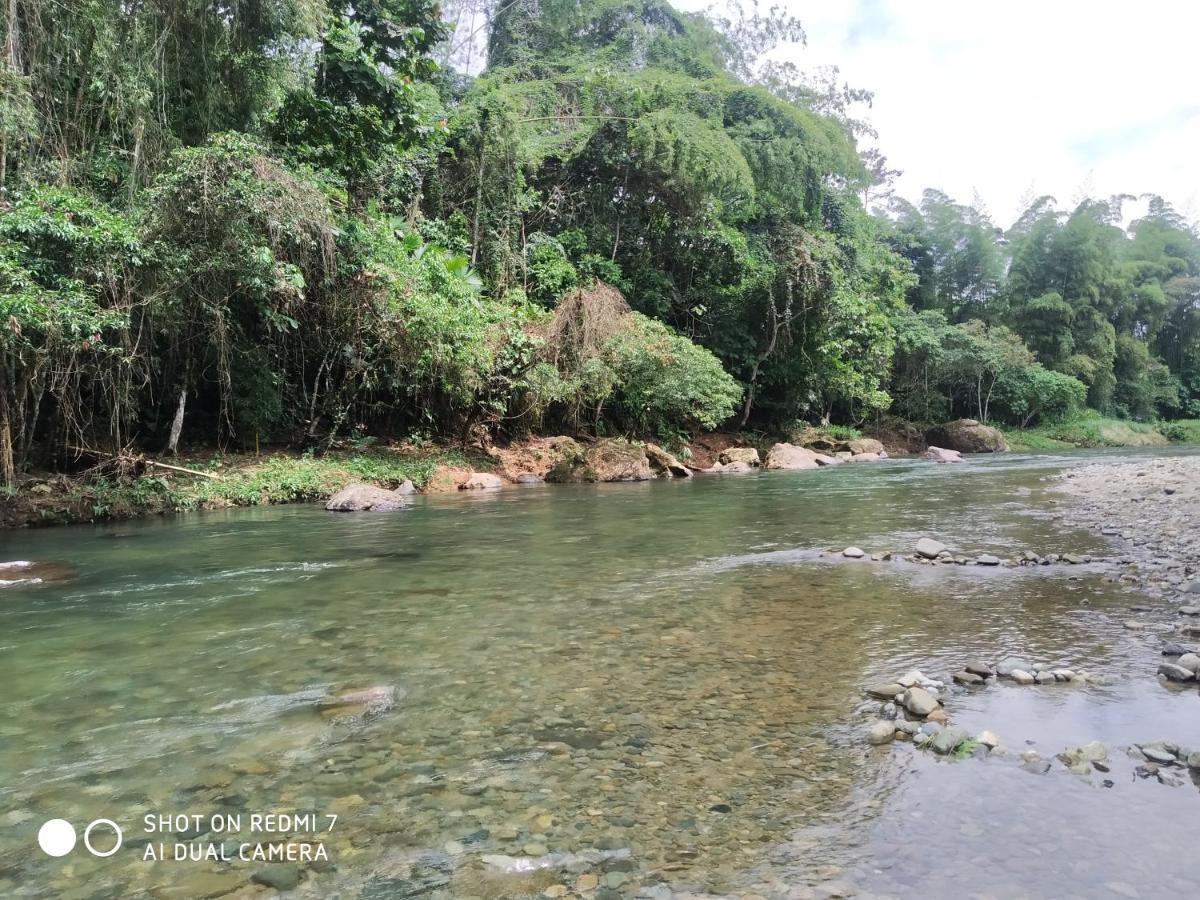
x,y
282,221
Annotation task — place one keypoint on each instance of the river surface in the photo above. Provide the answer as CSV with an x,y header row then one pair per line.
x,y
654,690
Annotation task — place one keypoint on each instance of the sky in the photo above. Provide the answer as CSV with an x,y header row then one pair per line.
x,y
1013,100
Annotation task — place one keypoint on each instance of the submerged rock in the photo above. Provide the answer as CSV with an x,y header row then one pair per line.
x,y
942,455
1010,664
881,733
949,739
358,497
26,572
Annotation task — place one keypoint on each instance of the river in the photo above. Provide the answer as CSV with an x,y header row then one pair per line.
x,y
654,690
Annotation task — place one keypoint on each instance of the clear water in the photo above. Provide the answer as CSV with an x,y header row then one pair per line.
x,y
666,674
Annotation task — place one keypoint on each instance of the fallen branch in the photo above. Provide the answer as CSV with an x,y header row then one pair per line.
x,y
129,459
161,465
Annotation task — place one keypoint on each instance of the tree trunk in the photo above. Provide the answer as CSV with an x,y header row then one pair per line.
x,y
8,473
177,424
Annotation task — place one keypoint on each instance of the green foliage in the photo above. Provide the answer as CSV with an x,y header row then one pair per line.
x,y
1088,429
665,381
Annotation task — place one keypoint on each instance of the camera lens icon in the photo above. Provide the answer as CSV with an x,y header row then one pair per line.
x,y
57,837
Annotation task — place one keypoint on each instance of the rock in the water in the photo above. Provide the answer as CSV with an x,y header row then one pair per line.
x,y
942,455
1189,610
1171,648
968,678
358,497
988,739
280,876
747,455
483,481
919,701
530,478
948,739
1192,587
1020,676
610,459
665,464
978,668
1193,760
406,488
859,446
1176,673
1091,752
853,553
733,468
1010,664
865,457
929,548
885,691
1157,754
1189,661
968,436
881,733
986,559
789,456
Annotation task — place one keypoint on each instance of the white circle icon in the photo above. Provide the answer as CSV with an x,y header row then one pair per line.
x,y
87,838
56,837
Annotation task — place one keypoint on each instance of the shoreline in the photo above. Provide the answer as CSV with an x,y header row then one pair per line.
x,y
143,490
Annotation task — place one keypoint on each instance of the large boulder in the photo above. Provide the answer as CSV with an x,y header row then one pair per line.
x,y
612,459
665,464
747,455
864,445
789,456
483,481
358,497
942,455
533,456
968,436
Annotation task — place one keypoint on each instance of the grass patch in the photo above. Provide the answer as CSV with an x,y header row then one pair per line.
x,y
1092,430
244,481
1182,431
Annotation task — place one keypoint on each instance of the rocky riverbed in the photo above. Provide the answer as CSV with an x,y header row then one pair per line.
x,y
1150,506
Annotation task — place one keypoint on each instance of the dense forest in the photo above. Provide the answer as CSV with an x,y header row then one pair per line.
x,y
295,221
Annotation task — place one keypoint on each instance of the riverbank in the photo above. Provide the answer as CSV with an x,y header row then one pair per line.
x,y
237,480
219,480
1094,431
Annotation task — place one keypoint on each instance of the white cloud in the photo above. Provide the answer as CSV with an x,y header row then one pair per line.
x,y
1049,96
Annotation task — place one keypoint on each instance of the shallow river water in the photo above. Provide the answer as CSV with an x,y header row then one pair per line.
x,y
644,690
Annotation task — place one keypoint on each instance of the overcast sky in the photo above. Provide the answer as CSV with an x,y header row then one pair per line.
x,y
1053,97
